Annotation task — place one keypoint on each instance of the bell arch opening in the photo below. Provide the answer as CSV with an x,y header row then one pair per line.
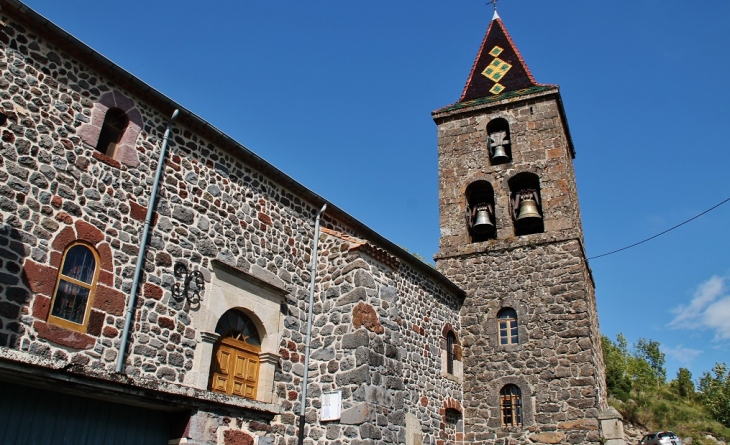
x,y
526,203
500,142
480,211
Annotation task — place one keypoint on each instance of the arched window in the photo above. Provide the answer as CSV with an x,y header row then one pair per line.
x,y
75,285
526,203
500,145
480,211
510,398
508,332
235,367
450,344
115,123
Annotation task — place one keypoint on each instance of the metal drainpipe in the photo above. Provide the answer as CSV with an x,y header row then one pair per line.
x,y
305,380
143,244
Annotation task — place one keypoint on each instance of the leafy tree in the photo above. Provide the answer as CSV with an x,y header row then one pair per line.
x,y
615,356
684,385
648,351
715,393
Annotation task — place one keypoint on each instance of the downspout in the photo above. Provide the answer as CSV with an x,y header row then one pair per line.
x,y
143,244
305,380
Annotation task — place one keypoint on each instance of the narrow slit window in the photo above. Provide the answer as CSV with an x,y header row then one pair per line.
x,y
450,342
112,130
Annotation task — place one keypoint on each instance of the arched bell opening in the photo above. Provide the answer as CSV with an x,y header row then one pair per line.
x,y
526,204
500,142
480,211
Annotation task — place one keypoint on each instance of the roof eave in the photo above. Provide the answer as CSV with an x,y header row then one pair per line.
x,y
128,81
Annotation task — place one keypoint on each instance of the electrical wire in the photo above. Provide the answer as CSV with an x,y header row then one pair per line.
x,y
662,233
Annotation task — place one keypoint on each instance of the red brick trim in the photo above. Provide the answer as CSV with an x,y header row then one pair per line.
x,y
63,336
106,159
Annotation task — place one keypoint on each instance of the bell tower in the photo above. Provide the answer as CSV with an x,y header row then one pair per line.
x,y
511,236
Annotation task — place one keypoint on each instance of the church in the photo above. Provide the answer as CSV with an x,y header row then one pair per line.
x,y
162,284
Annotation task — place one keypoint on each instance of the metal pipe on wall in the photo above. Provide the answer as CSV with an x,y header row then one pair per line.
x,y
143,244
305,380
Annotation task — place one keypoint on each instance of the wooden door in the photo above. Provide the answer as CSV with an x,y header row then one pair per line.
x,y
235,369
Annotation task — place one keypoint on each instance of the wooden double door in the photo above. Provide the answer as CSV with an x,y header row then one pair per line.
x,y
235,368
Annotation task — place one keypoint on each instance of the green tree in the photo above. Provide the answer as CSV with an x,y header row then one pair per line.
x,y
715,393
615,356
648,351
685,387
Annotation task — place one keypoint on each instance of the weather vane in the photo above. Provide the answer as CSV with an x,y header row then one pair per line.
x,y
493,3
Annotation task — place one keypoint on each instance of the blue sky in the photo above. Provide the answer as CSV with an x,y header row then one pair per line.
x,y
338,95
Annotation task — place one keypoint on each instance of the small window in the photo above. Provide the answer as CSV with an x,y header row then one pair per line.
x,y
452,417
450,344
115,123
511,405
508,332
75,287
235,367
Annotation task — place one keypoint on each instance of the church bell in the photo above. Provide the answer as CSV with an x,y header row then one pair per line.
x,y
500,155
482,222
528,209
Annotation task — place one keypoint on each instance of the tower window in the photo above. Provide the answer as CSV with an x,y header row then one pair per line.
x,y
500,145
452,416
510,398
526,204
115,123
450,343
508,331
480,211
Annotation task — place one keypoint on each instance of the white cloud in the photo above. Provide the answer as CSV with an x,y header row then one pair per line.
x,y
709,309
681,354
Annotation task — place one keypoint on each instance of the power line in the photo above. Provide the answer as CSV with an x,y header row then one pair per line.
x,y
662,233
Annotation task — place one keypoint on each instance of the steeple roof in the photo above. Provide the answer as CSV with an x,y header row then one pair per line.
x,y
498,68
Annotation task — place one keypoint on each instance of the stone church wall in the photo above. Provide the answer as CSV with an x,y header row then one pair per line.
x,y
380,316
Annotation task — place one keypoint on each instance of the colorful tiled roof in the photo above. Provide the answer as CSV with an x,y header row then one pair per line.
x,y
498,68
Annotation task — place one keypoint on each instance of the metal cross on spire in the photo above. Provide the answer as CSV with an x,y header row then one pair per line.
x,y
494,3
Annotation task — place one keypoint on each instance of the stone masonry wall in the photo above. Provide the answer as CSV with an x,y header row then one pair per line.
x,y
554,363
539,146
375,333
544,277
377,324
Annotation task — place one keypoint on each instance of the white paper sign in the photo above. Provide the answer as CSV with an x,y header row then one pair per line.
x,y
331,405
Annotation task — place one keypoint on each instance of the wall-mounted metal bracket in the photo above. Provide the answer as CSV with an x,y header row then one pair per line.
x,y
192,284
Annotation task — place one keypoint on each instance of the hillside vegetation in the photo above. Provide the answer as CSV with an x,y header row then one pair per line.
x,y
638,389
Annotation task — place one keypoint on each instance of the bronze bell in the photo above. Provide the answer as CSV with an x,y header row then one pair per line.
x,y
500,155
482,222
528,209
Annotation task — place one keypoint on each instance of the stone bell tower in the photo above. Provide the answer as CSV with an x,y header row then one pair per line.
x,y
511,237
